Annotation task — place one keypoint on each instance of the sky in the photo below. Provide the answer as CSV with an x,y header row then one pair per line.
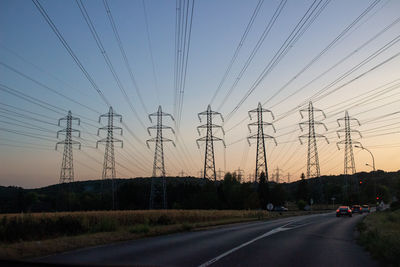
x,y
344,57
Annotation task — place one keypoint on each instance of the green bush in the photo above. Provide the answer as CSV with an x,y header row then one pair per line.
x,y
140,229
187,226
164,220
395,205
380,234
106,224
301,204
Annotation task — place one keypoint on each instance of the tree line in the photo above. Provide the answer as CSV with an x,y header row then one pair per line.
x,y
196,193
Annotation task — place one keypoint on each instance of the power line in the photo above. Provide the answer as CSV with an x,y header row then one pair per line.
x,y
183,32
238,48
302,26
151,51
69,50
122,50
107,59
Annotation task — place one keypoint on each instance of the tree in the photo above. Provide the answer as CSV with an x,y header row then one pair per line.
x,y
303,191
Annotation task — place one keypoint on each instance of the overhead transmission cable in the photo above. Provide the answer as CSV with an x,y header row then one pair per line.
x,y
259,43
125,58
151,52
238,48
69,50
302,26
109,64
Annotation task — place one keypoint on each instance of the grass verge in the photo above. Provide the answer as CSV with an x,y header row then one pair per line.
x,y
380,235
124,225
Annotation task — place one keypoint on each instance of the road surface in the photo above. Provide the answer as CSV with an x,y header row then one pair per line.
x,y
313,240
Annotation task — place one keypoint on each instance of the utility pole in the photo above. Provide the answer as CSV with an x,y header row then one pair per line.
x,y
277,174
158,185
109,157
261,156
219,174
349,164
200,173
313,169
67,165
182,173
209,159
288,177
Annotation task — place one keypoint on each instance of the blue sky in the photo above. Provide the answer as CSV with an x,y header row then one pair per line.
x,y
26,38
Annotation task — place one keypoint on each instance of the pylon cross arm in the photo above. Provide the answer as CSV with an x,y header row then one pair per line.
x,y
205,126
105,140
308,123
69,142
213,113
155,139
160,127
313,110
213,138
264,136
261,124
69,118
70,130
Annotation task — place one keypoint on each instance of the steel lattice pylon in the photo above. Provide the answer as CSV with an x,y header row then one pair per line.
x,y
67,165
209,159
109,157
261,156
349,165
277,175
313,168
158,194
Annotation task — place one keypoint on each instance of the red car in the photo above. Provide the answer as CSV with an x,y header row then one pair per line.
x,y
344,211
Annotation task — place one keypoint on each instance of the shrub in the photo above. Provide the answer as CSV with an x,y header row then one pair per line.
x,y
187,226
395,205
301,204
140,229
164,220
105,225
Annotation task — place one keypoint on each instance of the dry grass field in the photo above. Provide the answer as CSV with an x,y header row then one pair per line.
x,y
36,234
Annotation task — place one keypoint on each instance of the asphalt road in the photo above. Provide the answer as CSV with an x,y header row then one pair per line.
x,y
313,240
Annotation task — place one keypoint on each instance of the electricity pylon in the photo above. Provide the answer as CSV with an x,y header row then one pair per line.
x,y
239,173
277,174
219,174
261,156
67,165
209,159
109,157
158,192
313,169
349,165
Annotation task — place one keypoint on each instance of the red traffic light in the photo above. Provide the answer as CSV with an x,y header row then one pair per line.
x,y
377,198
360,182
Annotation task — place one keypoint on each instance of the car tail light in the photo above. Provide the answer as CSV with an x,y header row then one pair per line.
x,y
349,210
337,210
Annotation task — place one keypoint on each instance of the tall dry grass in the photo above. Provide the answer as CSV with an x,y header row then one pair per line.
x,y
39,226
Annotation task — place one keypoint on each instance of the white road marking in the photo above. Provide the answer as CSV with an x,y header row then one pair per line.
x,y
273,231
